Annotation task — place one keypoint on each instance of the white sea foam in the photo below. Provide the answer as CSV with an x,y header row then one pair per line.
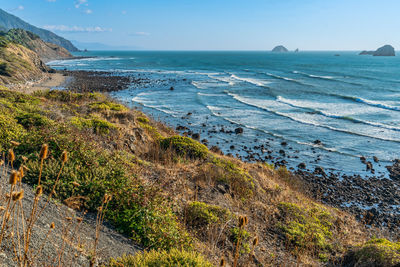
x,y
254,81
314,76
203,94
216,112
301,118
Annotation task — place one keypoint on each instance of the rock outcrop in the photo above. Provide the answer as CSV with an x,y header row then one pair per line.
x,y
280,49
386,51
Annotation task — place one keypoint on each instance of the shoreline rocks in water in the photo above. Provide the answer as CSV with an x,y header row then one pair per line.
x,y
372,200
87,81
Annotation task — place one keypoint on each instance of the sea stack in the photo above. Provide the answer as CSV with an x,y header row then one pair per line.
x,y
280,49
297,50
386,51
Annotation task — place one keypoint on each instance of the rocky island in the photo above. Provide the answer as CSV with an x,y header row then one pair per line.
x,y
280,49
386,50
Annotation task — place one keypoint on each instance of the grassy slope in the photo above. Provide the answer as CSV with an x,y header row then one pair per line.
x,y
171,192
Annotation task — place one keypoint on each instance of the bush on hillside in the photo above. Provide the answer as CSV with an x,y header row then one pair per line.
x,y
375,252
185,146
162,258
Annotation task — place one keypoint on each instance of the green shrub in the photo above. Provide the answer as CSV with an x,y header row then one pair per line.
x,y
151,130
98,125
309,227
237,178
68,96
10,130
143,120
185,146
378,252
29,120
162,258
107,105
244,239
200,214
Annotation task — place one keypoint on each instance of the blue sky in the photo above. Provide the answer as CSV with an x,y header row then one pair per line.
x,y
218,24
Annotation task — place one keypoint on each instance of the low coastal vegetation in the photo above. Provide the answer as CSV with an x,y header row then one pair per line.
x,y
181,203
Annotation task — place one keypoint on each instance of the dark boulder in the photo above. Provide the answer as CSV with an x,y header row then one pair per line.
x,y
302,166
320,170
196,136
239,130
317,142
216,149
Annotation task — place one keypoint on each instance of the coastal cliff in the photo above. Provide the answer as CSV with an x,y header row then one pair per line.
x,y
19,64
9,21
46,51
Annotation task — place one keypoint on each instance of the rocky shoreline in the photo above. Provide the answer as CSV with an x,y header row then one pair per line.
x,y
374,200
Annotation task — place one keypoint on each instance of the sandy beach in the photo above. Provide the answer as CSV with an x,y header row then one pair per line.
x,y
49,81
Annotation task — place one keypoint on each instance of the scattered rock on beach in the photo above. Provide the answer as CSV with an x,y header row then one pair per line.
x,y
317,142
196,136
394,170
301,165
239,130
216,149
319,170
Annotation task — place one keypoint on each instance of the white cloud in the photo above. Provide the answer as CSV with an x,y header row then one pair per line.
x,y
140,34
78,3
64,28
88,11
20,7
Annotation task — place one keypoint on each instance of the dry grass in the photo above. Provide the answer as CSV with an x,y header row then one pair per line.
x,y
17,226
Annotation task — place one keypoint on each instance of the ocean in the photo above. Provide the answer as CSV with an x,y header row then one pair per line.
x,y
313,107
